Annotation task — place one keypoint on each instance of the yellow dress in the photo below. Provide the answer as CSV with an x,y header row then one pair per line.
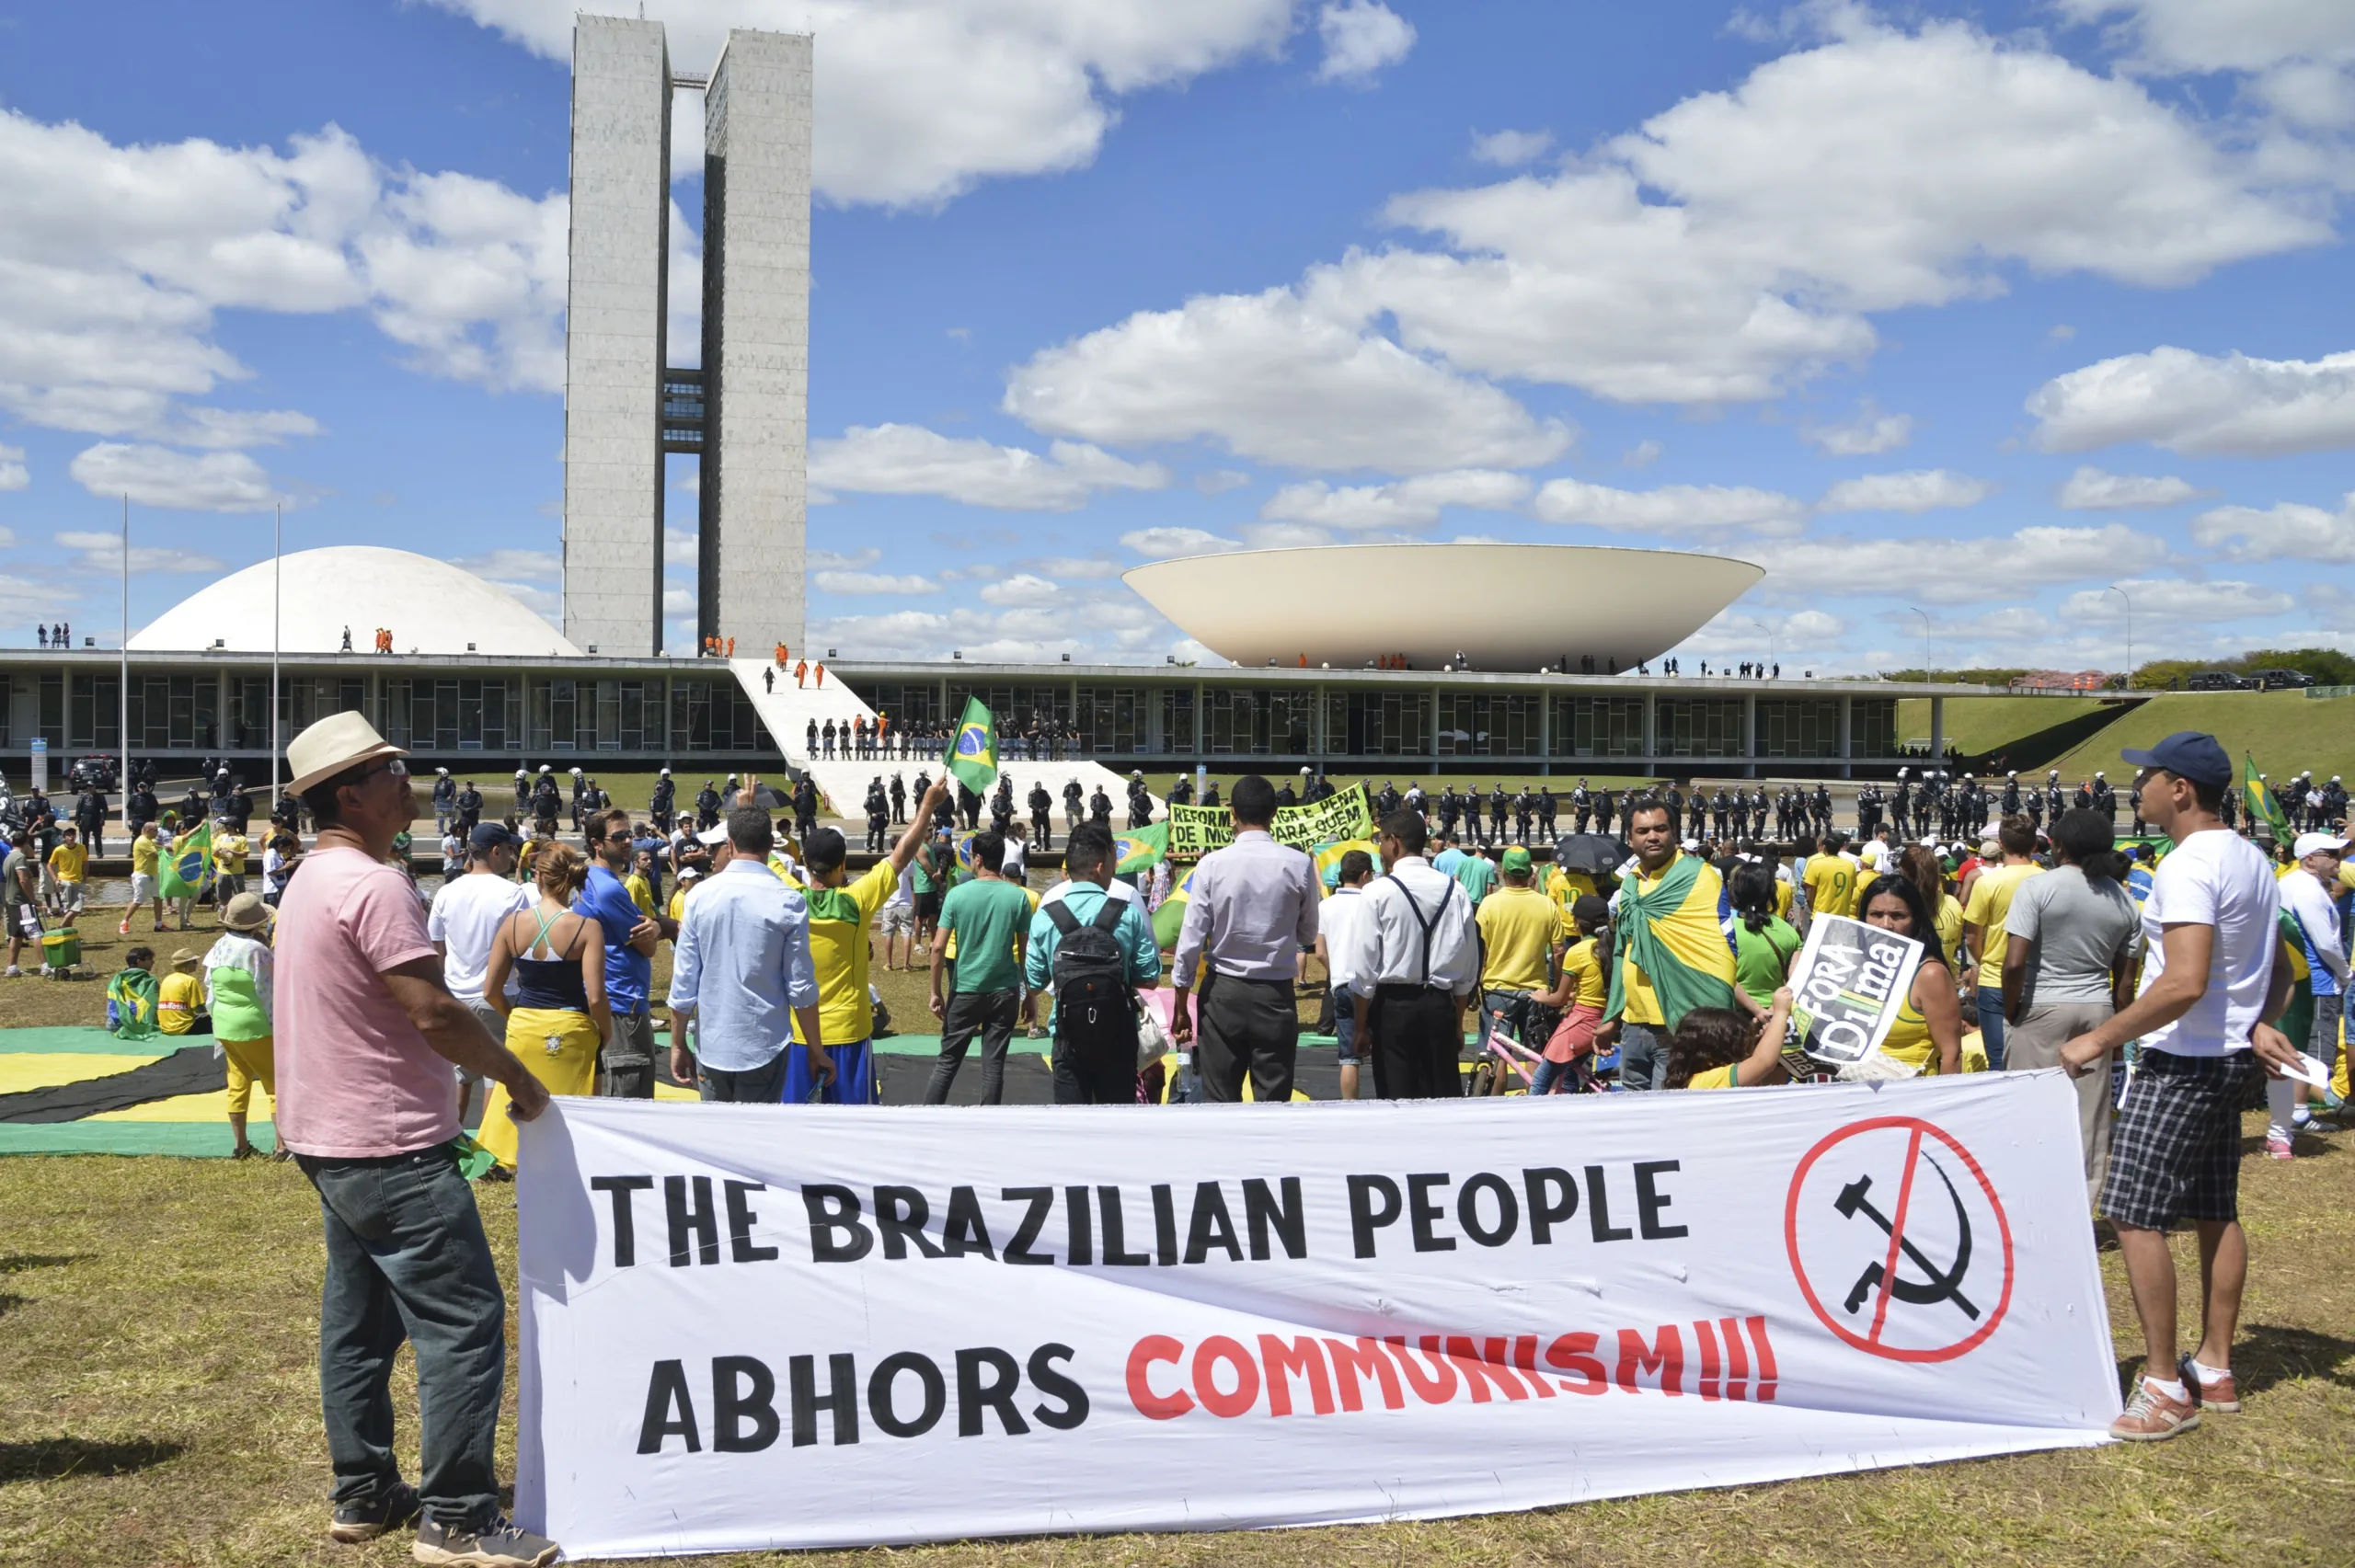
x,y
558,1046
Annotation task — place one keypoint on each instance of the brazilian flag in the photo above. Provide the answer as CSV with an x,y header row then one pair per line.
x,y
187,871
2261,802
1172,914
1141,849
972,756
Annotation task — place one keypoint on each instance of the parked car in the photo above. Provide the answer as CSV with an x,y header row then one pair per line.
x,y
2279,680
97,770
2214,680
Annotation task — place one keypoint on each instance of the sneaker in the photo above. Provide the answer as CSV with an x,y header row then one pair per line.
x,y
2277,1146
2150,1418
2217,1393
15,973
497,1545
356,1522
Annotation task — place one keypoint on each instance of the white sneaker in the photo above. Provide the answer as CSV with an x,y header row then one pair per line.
x,y
14,973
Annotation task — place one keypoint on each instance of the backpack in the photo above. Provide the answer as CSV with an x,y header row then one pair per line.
x,y
1094,1008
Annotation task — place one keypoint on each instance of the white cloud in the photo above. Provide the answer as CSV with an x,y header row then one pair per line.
x,y
1280,378
872,582
838,560
918,100
103,553
1510,149
679,546
14,475
2171,601
1643,454
159,476
1291,536
908,460
2090,489
1726,250
1871,433
1161,542
2201,404
2220,35
1672,509
1086,569
1930,570
1361,37
115,259
1218,481
1406,503
2286,532
1022,587
1913,493
514,565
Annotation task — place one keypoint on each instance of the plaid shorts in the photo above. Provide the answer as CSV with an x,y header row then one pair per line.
x,y
2176,1152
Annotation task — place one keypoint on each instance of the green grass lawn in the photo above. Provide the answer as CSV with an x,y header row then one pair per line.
x,y
1977,727
2286,731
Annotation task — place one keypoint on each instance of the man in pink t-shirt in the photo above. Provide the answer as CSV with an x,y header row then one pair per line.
x,y
367,1033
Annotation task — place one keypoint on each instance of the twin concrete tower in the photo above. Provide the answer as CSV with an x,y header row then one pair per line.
x,y
745,411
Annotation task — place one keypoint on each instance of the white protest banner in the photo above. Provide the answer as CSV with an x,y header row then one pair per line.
x,y
753,1327
1847,985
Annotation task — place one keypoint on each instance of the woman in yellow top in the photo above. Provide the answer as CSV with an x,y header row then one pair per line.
x,y
557,1020
1580,994
1927,1034
1717,1047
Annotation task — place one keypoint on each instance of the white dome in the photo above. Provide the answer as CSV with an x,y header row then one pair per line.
x,y
430,606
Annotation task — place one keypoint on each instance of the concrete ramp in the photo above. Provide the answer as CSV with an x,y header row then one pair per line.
x,y
788,711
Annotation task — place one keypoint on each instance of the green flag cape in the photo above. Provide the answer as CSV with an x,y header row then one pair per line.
x,y
972,756
1680,987
1168,919
132,1001
187,870
1141,848
2261,802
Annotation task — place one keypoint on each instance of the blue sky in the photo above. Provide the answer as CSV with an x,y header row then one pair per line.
x,y
1978,312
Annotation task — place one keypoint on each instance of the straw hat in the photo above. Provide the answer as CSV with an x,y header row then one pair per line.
x,y
245,912
188,963
332,745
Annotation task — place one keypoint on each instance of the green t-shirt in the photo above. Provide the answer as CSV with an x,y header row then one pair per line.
x,y
1477,873
985,915
1761,959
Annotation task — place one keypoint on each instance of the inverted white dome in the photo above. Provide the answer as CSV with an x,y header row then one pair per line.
x,y
430,606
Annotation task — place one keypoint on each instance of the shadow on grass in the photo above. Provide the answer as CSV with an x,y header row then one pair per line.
x,y
17,1263
54,1458
2268,1355
9,1303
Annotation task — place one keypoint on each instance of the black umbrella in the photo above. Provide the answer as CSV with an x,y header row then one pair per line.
x,y
766,797
1596,854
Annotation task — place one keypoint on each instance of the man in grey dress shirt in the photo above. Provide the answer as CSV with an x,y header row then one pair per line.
x,y
1251,910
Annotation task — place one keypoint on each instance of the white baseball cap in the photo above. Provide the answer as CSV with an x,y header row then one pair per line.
x,y
2309,842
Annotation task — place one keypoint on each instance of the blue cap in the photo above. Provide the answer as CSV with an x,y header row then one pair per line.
x,y
489,836
2187,755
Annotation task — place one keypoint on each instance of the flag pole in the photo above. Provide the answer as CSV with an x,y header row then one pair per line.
x,y
277,552
122,679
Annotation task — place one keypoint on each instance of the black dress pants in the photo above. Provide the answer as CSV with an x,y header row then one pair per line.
x,y
1418,1036
1246,1027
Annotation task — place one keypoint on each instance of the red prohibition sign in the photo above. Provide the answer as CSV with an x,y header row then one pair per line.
x,y
1871,1343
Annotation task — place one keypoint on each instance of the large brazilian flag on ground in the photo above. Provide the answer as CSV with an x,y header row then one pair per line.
x,y
971,757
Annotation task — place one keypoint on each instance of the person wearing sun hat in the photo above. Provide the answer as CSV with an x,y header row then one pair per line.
x,y
238,989
366,1034
179,998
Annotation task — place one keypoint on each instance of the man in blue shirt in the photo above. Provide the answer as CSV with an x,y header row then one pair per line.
x,y
744,975
626,1067
1089,858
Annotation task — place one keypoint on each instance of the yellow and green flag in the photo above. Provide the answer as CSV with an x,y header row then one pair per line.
x,y
187,871
1141,849
971,757
1168,919
2261,804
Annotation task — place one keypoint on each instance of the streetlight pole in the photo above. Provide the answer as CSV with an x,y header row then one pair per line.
x,y
1926,641
122,676
2121,593
277,555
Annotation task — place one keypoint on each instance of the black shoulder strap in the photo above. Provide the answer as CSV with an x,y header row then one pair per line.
x,y
1108,913
1064,919
1420,922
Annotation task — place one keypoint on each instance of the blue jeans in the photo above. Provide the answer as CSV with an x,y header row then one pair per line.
x,y
407,1259
1991,1024
1547,1074
1643,1056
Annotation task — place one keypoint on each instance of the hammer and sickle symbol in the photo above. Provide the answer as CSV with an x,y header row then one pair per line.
x,y
1937,1285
